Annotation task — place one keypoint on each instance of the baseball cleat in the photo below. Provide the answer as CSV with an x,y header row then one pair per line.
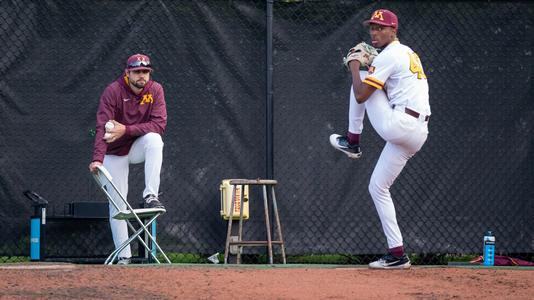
x,y
341,143
123,261
152,201
389,261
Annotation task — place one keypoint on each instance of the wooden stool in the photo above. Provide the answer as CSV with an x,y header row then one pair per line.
x,y
269,242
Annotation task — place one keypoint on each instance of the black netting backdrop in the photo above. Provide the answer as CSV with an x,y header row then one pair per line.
x,y
465,180
474,173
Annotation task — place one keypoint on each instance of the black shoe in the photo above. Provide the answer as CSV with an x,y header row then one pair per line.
x,y
152,201
341,143
390,261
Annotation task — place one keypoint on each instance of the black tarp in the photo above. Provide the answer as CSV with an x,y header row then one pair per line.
x,y
475,172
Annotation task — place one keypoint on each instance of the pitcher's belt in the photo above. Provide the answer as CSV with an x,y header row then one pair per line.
x,y
413,113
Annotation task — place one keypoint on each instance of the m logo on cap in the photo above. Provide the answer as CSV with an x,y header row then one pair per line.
x,y
383,17
378,15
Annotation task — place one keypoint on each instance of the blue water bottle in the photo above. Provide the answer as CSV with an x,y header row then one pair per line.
x,y
489,249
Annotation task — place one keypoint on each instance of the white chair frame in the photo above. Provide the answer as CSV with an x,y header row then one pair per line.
x,y
104,181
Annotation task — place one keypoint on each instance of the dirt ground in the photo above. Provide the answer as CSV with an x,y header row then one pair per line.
x,y
62,281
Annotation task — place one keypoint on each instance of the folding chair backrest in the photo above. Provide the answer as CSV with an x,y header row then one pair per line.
x,y
104,180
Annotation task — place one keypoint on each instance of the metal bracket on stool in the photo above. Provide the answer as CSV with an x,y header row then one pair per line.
x,y
269,242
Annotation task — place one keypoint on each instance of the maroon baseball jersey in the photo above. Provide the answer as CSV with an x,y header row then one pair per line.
x,y
140,114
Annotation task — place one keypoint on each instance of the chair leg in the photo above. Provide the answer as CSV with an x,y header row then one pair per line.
x,y
116,252
145,228
137,234
111,258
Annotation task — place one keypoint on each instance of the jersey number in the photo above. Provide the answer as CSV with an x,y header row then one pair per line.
x,y
415,66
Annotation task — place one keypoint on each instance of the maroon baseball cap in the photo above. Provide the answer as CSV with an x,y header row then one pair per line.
x,y
138,62
383,17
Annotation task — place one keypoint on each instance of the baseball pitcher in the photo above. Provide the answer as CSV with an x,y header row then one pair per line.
x,y
394,93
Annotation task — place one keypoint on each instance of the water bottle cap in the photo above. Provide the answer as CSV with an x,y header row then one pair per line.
x,y
489,233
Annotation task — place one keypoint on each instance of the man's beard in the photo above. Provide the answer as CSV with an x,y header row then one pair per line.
x,y
139,85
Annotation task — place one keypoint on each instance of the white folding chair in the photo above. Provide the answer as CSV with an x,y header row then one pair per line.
x,y
104,180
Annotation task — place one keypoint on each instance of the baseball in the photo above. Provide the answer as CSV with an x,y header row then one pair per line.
x,y
109,126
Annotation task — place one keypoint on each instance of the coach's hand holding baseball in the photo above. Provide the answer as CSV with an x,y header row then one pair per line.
x,y
115,133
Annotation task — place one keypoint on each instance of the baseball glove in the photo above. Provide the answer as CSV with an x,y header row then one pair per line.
x,y
363,52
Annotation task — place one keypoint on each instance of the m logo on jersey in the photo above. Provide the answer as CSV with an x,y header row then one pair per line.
x,y
147,98
378,15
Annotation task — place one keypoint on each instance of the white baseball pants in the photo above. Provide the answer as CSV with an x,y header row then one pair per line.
x,y
147,148
404,136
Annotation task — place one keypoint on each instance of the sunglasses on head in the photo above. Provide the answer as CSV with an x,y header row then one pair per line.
x,y
139,63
